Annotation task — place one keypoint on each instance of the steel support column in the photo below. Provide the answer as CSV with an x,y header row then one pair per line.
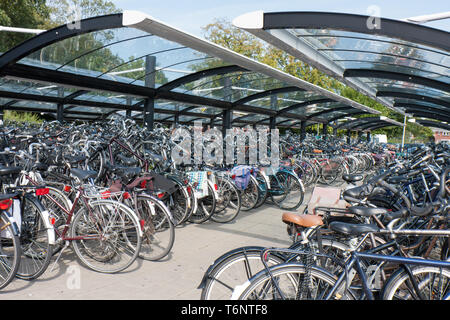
x,y
325,129
149,104
302,130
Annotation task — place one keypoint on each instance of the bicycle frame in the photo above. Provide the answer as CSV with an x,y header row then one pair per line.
x,y
69,214
354,261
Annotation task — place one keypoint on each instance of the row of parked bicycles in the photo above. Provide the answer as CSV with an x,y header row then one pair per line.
x,y
390,242
112,191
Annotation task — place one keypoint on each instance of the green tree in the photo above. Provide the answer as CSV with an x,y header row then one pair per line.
x,y
32,14
226,35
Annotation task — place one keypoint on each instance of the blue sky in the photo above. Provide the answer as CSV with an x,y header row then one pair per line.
x,y
191,16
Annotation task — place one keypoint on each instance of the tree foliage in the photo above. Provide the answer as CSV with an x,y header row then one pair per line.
x,y
33,14
223,33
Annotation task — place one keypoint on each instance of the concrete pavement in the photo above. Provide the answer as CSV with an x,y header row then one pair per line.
x,y
174,278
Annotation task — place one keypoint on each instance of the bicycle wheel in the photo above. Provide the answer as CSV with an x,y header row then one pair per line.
x,y
295,191
10,251
432,282
278,189
263,189
291,281
158,228
107,236
328,173
205,208
250,195
228,202
178,203
305,171
96,162
232,269
34,240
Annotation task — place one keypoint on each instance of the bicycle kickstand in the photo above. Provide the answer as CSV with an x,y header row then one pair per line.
x,y
66,245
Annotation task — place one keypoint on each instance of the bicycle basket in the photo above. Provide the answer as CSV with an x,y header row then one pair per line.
x,y
199,181
99,193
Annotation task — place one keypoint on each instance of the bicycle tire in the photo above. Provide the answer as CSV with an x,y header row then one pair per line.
x,y
36,250
399,287
323,282
158,228
295,191
10,251
263,190
229,201
123,234
205,208
177,202
226,272
250,195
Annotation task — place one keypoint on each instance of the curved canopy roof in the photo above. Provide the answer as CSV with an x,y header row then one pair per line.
x,y
133,63
403,65
367,123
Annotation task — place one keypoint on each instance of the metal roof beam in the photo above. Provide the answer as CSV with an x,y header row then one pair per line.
x,y
383,74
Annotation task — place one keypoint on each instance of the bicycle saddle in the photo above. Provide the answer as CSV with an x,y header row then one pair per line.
x,y
125,173
83,174
302,220
359,192
127,161
75,159
353,229
352,177
397,180
9,170
366,211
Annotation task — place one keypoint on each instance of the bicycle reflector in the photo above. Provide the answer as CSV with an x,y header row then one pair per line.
x,y
42,191
67,188
216,187
106,194
126,195
161,195
5,204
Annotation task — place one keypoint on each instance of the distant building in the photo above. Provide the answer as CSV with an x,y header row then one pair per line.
x,y
441,135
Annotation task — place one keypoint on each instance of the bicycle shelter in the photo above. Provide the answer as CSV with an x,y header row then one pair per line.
x,y
404,66
149,71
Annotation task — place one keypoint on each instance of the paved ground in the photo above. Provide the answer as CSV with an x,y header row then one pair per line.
x,y
175,278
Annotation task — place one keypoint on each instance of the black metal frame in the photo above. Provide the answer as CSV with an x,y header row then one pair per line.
x,y
10,68
383,74
358,23
434,124
434,40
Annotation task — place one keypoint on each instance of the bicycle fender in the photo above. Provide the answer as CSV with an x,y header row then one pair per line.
x,y
266,179
222,258
216,195
49,227
46,216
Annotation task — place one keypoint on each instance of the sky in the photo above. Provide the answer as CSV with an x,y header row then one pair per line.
x,y
191,16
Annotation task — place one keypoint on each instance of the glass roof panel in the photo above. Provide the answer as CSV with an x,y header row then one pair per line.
x,y
282,100
131,56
